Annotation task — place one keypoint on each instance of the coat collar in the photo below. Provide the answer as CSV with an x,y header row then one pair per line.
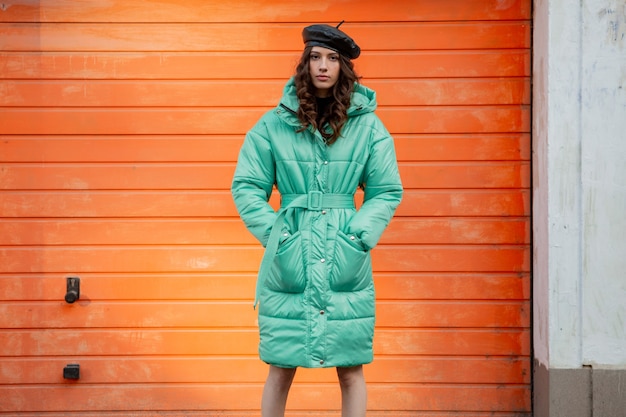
x,y
363,101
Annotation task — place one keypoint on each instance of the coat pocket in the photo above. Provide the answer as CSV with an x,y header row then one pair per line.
x,y
287,272
352,266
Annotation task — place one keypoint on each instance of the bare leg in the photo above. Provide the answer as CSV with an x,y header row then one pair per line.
x,y
353,391
275,391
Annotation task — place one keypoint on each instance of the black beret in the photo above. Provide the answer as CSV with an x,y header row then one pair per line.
x,y
332,38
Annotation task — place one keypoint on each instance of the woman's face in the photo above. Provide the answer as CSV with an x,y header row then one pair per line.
x,y
324,68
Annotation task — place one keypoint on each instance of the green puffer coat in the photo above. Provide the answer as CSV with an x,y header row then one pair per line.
x,y
315,285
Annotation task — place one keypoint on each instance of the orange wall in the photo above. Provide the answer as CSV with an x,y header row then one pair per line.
x,y
120,123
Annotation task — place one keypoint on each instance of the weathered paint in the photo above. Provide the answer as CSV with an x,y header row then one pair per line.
x,y
578,184
603,183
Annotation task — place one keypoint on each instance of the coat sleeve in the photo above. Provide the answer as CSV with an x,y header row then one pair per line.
x,y
253,183
383,190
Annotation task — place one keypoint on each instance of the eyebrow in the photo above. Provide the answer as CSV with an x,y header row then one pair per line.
x,y
329,54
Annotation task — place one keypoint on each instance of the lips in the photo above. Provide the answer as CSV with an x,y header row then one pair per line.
x,y
323,77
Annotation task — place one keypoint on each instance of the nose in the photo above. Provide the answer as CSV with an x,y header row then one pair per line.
x,y
323,65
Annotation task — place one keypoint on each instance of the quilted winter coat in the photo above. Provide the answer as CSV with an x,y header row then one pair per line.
x,y
315,288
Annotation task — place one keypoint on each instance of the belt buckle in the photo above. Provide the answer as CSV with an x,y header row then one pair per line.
x,y
314,200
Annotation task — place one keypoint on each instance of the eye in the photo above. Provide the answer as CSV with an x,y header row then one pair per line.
x,y
314,57
334,57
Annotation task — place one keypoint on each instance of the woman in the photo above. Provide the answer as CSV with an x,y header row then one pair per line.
x,y
315,285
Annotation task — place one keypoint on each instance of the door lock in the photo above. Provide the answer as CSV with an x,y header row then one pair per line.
x,y
73,289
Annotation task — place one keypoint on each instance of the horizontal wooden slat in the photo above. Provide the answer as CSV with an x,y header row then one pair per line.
x,y
219,203
261,11
292,413
451,91
240,286
417,314
226,121
146,93
247,259
118,176
465,203
468,147
465,175
246,397
452,286
225,148
201,93
117,204
97,342
456,231
232,231
150,370
198,176
257,37
131,148
251,65
233,315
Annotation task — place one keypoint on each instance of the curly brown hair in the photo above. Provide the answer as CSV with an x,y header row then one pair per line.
x,y
337,113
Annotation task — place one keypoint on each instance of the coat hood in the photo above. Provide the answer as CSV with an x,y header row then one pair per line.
x,y
363,101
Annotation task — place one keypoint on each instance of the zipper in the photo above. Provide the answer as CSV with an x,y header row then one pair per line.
x,y
288,109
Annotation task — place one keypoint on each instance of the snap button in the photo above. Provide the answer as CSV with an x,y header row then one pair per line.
x,y
322,312
325,162
322,260
323,211
352,238
285,234
322,362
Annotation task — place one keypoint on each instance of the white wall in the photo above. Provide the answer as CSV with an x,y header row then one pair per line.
x,y
603,173
541,293
579,189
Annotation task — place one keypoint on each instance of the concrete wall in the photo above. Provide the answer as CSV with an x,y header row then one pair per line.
x,y
579,204
603,175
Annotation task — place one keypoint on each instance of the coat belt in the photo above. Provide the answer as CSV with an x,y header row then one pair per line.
x,y
314,201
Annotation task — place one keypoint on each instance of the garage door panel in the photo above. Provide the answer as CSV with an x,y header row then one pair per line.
x,y
135,370
465,175
210,93
69,342
121,148
129,259
238,314
123,342
294,413
254,65
131,286
120,129
398,120
240,286
452,286
451,91
91,204
231,231
201,176
465,147
457,231
488,258
455,370
229,397
461,342
117,204
225,148
454,314
465,203
267,37
451,258
261,11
